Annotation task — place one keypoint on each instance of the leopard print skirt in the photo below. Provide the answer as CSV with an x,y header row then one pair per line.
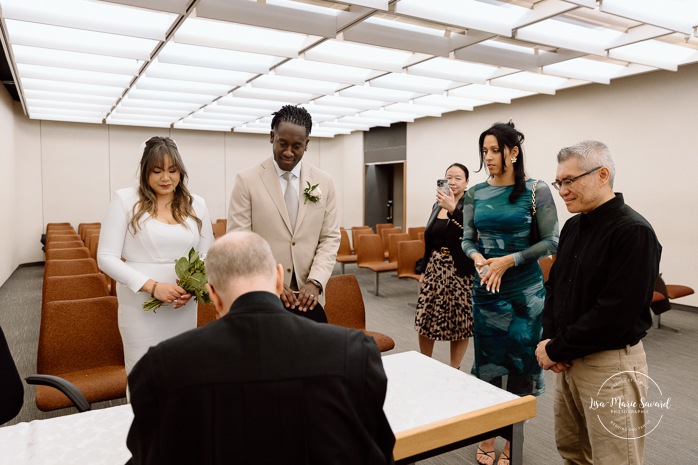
x,y
444,306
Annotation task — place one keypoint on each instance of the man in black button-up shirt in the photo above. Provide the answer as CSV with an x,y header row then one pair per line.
x,y
597,310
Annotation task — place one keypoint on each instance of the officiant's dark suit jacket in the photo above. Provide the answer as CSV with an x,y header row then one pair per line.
x,y
261,386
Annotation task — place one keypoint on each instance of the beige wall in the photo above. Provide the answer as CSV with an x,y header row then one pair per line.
x,y
67,172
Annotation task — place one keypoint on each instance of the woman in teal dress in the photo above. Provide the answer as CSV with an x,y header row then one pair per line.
x,y
508,292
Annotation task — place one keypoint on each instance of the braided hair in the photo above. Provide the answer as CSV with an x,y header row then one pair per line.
x,y
294,115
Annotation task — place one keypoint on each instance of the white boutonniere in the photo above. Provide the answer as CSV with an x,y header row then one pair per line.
x,y
312,193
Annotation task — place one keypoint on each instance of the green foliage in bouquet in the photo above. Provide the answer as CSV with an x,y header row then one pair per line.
x,y
192,278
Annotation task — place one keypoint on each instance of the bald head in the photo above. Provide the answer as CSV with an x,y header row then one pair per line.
x,y
238,263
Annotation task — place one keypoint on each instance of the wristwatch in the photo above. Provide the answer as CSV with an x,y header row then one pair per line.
x,y
317,283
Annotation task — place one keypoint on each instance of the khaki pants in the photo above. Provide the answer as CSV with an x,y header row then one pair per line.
x,y
590,427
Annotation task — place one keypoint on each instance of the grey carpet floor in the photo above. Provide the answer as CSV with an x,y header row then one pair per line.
x,y
671,359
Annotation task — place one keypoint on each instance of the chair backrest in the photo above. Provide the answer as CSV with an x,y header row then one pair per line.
x,y
218,229
83,226
420,236
88,230
370,249
414,232
64,244
77,335
82,286
382,226
356,232
408,252
67,254
384,237
344,245
206,313
50,227
92,242
61,236
393,241
70,267
545,264
344,304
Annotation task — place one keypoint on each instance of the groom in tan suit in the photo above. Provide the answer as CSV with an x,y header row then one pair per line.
x,y
292,205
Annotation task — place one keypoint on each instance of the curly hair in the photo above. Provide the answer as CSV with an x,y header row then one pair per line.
x,y
157,149
294,115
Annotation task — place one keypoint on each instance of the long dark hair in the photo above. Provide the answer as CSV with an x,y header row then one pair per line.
x,y
507,136
154,154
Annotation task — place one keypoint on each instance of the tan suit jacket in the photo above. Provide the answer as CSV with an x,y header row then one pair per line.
x,y
257,204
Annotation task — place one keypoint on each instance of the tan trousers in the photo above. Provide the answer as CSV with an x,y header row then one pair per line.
x,y
592,426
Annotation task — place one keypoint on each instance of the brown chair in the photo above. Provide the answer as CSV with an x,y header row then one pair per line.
x,y
83,226
408,252
344,254
344,306
218,229
545,264
67,254
676,291
79,341
70,267
61,236
81,286
355,233
420,236
414,232
59,226
370,255
92,242
206,313
64,244
381,226
387,232
393,241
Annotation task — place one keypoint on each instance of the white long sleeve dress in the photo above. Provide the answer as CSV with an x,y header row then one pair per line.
x,y
149,254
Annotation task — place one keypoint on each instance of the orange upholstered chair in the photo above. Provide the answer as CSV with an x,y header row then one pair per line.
x,y
414,232
408,252
51,227
79,341
381,226
545,264
81,286
385,237
61,236
84,227
64,244
344,254
218,229
356,231
393,242
67,254
206,313
344,306
70,267
370,255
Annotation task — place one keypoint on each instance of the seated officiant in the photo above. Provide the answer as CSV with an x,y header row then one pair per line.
x,y
259,385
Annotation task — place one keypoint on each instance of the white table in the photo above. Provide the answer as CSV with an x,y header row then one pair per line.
x,y
431,407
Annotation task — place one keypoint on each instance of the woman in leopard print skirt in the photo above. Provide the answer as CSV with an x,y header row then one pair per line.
x,y
444,307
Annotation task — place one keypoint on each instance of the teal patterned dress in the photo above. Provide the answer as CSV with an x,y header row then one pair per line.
x,y
507,324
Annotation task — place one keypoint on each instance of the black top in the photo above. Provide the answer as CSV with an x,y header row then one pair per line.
x,y
600,288
261,386
451,236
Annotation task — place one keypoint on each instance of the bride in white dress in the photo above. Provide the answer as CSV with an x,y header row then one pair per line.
x,y
150,227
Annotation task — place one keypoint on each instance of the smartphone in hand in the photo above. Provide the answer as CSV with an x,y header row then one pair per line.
x,y
442,184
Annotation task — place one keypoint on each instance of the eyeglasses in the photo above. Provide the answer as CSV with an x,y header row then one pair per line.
x,y
569,181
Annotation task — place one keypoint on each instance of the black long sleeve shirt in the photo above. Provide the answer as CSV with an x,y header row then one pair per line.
x,y
600,288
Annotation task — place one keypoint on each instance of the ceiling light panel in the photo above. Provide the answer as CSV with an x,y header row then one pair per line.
x,y
73,60
570,35
457,70
593,70
228,78
379,94
71,88
656,53
488,94
411,83
532,82
450,102
284,97
166,96
421,110
73,75
91,15
231,36
146,112
68,97
66,118
326,71
678,15
269,105
365,56
360,103
76,40
308,86
190,87
337,112
209,57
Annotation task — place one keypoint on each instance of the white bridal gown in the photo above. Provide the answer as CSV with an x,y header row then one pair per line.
x,y
149,254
